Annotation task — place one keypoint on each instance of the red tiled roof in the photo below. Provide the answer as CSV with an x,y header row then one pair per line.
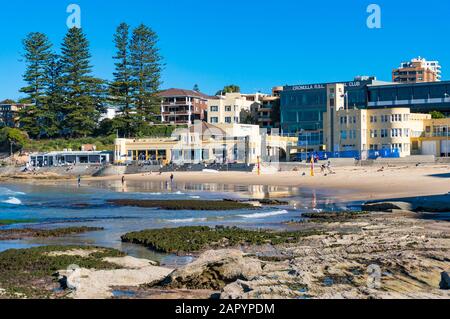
x,y
181,92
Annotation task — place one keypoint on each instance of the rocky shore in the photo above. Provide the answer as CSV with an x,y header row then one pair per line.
x,y
394,254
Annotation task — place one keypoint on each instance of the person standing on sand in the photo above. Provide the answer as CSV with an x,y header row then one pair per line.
x,y
123,180
79,180
171,178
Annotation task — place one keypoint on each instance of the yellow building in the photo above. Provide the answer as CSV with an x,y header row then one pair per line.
x,y
371,129
434,138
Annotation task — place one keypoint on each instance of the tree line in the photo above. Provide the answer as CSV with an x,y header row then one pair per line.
x,y
66,100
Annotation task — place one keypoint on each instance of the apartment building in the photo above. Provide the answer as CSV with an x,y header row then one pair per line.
x,y
353,129
9,114
179,106
233,107
268,114
417,70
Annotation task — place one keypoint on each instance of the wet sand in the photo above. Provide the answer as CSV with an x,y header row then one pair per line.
x,y
361,183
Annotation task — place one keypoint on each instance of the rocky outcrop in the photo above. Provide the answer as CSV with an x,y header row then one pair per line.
x,y
386,206
214,270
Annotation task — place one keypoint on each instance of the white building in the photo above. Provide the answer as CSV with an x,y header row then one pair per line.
x,y
230,108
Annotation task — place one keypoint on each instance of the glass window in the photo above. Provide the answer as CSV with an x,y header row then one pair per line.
x,y
404,93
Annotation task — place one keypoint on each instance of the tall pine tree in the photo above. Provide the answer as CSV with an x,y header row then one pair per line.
x,y
146,70
55,97
38,53
83,94
121,87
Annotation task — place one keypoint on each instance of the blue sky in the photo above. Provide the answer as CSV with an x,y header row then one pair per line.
x,y
255,44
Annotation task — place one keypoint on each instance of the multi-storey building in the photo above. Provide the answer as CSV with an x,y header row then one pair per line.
x,y
417,70
394,128
180,106
419,97
231,107
268,114
302,108
9,114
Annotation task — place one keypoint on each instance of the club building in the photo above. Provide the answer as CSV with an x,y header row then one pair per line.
x,y
318,114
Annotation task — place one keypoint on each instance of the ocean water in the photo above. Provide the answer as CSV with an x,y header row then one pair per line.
x,y
66,205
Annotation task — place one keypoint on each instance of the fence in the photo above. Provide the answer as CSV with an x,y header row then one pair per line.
x,y
370,154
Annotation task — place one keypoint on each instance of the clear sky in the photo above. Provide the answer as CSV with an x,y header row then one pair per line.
x,y
256,44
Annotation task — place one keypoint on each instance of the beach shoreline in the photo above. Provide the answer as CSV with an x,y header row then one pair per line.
x,y
356,183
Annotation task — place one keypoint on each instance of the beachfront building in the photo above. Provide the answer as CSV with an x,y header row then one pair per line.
x,y
434,138
64,158
394,130
234,108
204,143
303,106
179,106
417,70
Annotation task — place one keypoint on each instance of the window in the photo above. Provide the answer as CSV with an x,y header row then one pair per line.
x,y
228,119
373,119
214,108
343,135
373,133
228,108
406,132
383,133
236,119
214,119
396,132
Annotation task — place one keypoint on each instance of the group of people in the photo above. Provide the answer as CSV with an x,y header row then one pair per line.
x,y
326,169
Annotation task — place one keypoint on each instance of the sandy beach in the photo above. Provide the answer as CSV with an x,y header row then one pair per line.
x,y
361,183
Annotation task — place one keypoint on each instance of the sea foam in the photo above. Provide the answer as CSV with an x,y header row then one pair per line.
x,y
186,220
12,201
7,191
268,214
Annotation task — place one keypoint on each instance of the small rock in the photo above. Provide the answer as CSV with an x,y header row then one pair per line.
x,y
445,281
214,269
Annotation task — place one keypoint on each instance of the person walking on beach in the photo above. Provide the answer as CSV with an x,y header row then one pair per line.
x,y
123,180
171,178
79,180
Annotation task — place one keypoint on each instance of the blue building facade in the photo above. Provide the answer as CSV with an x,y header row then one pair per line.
x,y
302,106
419,97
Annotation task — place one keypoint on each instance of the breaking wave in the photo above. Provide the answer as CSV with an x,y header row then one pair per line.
x,y
186,220
7,191
12,201
268,214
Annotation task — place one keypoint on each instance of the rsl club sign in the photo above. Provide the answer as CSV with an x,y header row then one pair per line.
x,y
322,86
